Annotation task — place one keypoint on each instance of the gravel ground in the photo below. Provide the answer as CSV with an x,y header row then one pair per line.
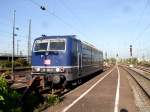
x,y
141,99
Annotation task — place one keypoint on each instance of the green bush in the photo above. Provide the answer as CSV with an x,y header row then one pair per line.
x,y
12,101
21,62
17,63
9,99
5,64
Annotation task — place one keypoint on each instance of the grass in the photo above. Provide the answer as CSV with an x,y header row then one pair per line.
x,y
53,99
9,99
50,100
13,101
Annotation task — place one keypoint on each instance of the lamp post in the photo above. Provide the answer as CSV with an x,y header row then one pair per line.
x,y
29,43
13,44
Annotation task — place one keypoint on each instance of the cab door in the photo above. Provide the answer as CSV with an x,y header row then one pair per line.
x,y
79,53
77,57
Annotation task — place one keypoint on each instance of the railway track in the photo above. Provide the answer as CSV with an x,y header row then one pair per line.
x,y
26,88
16,69
143,68
142,80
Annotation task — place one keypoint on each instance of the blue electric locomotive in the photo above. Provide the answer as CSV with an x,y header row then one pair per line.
x,y
64,59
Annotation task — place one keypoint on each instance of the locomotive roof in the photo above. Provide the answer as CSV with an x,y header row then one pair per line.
x,y
88,44
66,36
56,36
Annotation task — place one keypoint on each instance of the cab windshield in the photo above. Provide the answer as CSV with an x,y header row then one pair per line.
x,y
57,45
41,46
49,45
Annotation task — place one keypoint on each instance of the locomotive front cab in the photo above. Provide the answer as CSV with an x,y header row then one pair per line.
x,y
49,58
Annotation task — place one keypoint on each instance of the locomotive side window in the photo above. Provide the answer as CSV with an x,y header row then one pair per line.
x,y
41,46
57,45
86,55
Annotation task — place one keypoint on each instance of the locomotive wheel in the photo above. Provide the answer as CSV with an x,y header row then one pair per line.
x,y
68,85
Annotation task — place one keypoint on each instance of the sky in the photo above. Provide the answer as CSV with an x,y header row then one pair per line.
x,y
110,25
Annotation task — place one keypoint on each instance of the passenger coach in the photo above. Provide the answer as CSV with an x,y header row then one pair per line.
x,y
63,60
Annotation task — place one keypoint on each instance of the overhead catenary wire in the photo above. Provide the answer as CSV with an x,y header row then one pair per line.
x,y
70,10
8,23
139,20
4,24
58,18
5,21
142,33
35,3
71,26
10,34
5,34
143,12
145,48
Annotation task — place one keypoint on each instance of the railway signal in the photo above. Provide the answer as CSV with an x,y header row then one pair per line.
x,y
117,58
131,55
131,50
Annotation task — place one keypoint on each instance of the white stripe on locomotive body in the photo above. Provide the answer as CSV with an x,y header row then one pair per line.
x,y
62,66
54,66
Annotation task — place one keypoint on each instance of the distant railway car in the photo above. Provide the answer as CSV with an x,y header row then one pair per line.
x,y
63,60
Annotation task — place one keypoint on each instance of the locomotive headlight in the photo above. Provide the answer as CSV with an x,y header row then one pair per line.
x,y
49,70
43,69
57,69
33,69
60,69
37,69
